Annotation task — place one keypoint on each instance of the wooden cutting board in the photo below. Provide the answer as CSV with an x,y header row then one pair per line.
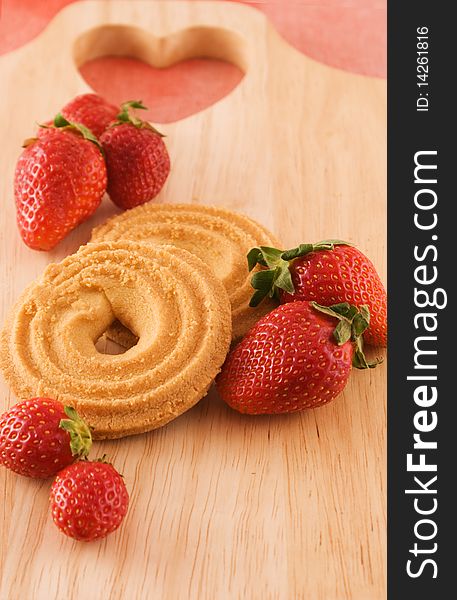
x,y
223,506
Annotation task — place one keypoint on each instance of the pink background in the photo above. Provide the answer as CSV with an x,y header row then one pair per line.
x,y
348,34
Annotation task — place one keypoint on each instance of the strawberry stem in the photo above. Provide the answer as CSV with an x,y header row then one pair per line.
x,y
125,106
126,116
80,435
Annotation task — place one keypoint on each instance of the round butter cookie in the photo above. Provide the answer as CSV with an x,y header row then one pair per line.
x,y
172,302
219,237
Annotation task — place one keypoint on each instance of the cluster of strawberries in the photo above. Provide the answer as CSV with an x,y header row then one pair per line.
x,y
300,354
90,148
41,438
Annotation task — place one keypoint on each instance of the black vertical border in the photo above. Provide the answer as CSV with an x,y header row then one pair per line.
x,y
410,131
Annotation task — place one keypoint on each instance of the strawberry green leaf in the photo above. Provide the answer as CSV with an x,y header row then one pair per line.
x,y
87,133
123,118
339,311
133,104
331,243
262,282
270,280
283,280
272,256
359,360
300,250
343,308
348,313
365,312
253,257
279,274
304,249
360,324
342,332
61,122
80,435
352,322
126,116
257,298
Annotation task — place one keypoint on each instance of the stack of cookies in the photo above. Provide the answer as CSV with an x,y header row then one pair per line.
x,y
168,282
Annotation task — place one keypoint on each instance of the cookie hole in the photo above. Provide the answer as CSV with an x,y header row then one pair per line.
x,y
117,339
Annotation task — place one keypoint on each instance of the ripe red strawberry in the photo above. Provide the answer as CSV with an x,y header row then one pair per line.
x,y
39,437
328,272
297,356
92,111
88,500
136,158
59,182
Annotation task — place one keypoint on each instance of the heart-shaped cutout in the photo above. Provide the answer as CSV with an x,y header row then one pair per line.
x,y
175,77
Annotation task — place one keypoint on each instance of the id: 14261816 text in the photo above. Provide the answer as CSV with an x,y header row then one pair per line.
x,y
422,47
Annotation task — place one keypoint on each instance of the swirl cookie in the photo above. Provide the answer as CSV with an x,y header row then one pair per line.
x,y
166,296
219,237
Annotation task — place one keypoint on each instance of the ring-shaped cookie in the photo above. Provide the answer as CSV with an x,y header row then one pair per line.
x,y
170,299
219,237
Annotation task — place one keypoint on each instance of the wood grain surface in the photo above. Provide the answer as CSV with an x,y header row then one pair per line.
x,y
223,506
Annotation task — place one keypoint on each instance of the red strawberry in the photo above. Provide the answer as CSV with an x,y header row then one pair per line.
x,y
59,182
294,358
136,158
88,500
329,272
39,437
92,111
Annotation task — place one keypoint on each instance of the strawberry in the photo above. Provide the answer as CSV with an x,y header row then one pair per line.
x,y
88,500
329,272
297,356
136,158
39,437
59,182
92,111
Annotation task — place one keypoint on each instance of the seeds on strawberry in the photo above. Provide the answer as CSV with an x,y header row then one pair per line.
x,y
136,157
88,500
59,182
329,272
39,437
297,356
